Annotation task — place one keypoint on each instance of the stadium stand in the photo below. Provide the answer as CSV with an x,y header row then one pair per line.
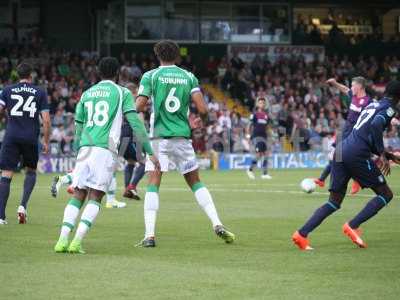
x,y
298,100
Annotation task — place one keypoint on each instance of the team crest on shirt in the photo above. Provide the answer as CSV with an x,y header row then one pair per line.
x,y
381,179
390,112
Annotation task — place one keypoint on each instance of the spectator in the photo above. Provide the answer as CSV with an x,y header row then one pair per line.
x,y
224,120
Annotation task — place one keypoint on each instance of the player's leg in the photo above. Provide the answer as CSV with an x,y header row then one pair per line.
x,y
383,196
253,164
88,217
340,179
325,173
369,176
110,195
9,159
205,201
130,189
71,213
97,178
5,182
131,158
262,149
30,156
185,159
151,206
127,151
128,171
265,174
58,182
137,175
151,198
29,184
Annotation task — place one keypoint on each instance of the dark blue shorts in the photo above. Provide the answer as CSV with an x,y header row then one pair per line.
x,y
260,144
130,152
127,148
14,152
364,171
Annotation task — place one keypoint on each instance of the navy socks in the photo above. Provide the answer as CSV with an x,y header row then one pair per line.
x,y
4,194
29,184
128,173
319,215
138,174
370,210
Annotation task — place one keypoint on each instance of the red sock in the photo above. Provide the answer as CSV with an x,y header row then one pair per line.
x,y
131,187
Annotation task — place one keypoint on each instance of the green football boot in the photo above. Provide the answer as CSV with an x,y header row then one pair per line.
x,y
61,246
76,247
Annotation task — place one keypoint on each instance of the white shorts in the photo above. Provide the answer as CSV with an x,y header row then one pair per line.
x,y
94,168
175,153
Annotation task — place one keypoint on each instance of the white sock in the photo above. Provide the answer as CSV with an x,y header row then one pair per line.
x,y
111,190
110,197
206,202
151,204
87,219
71,212
66,179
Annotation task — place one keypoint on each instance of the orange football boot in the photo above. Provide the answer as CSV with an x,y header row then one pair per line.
x,y
355,187
354,235
301,242
319,182
70,190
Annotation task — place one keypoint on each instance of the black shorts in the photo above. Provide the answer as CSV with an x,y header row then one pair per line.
x,y
130,152
364,171
14,152
127,148
260,144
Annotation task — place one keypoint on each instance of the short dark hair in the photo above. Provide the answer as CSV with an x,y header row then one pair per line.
x,y
166,50
24,70
360,80
108,67
393,89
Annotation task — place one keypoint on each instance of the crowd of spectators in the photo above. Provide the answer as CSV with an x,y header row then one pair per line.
x,y
299,103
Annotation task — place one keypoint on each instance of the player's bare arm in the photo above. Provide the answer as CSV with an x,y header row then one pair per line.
x,y
385,164
201,106
141,103
46,130
393,157
140,131
341,87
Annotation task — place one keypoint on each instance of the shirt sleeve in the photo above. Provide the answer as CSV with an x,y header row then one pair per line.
x,y
3,98
195,85
44,103
378,126
145,87
128,103
79,113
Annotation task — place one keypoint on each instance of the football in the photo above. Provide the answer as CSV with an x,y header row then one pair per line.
x,y
308,185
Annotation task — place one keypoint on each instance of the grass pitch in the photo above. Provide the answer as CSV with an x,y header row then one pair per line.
x,y
190,262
